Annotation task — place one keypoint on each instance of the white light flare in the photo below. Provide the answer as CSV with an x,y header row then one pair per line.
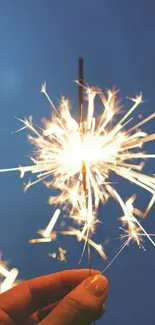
x,y
9,275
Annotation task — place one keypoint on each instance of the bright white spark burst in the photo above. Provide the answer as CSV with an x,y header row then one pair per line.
x,y
77,159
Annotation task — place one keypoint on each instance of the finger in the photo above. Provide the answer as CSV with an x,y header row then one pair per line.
x,y
40,314
97,316
23,300
32,320
101,312
82,305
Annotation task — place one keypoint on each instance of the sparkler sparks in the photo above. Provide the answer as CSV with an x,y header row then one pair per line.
x,y
78,158
9,275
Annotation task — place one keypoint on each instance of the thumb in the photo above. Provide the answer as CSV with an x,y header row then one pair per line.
x,y
82,305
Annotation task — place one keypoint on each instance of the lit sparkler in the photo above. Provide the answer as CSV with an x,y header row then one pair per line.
x,y
78,158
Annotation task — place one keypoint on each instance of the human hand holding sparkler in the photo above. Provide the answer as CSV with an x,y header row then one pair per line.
x,y
67,297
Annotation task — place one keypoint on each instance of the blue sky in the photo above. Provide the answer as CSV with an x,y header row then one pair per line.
x,y
42,40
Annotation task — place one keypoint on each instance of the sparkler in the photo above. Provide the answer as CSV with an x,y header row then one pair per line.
x,y
77,159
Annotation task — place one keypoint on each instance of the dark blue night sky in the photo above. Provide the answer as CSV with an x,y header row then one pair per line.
x,y
42,40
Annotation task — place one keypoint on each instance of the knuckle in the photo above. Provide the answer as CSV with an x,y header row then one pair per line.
x,y
72,304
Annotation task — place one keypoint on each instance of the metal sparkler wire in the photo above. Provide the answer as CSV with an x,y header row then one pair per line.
x,y
82,132
83,167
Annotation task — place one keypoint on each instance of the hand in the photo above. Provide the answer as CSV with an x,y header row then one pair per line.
x,y
64,298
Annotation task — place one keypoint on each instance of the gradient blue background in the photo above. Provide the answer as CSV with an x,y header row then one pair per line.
x,y
42,40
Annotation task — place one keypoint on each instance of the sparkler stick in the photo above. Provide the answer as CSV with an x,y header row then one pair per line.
x,y
81,118
83,167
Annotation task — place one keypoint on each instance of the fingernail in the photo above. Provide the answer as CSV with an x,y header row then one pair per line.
x,y
96,285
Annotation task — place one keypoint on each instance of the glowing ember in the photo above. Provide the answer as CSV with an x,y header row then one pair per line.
x,y
62,255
